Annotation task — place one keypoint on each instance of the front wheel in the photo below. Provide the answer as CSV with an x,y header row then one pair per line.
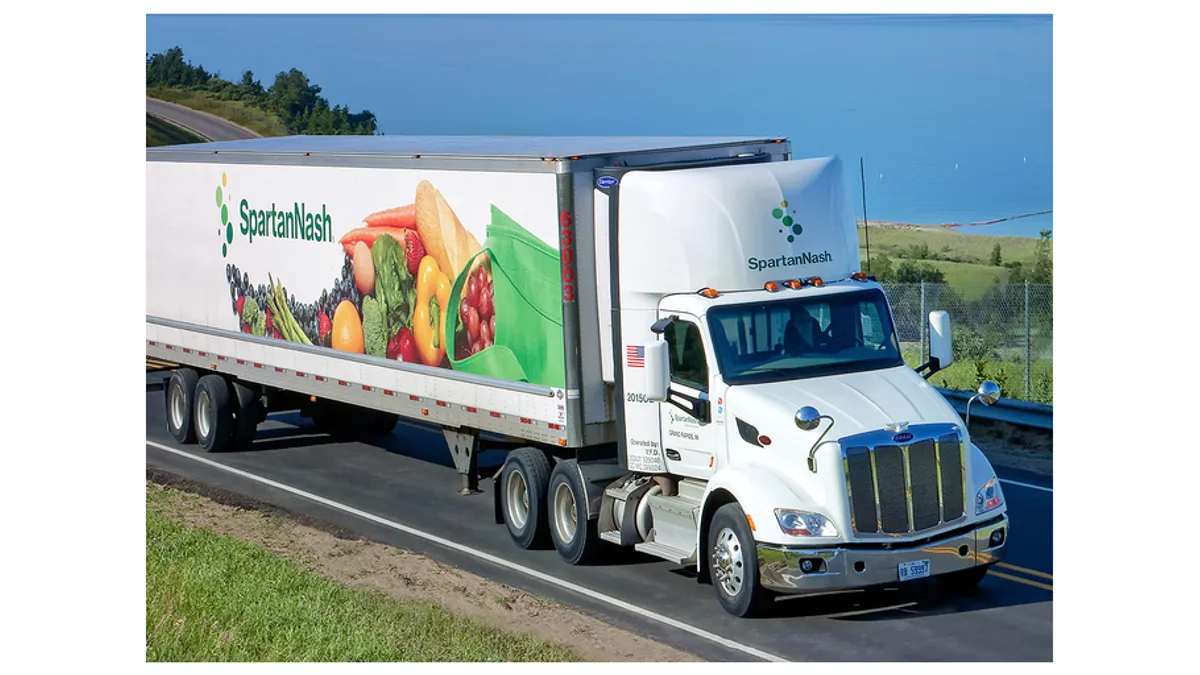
x,y
733,561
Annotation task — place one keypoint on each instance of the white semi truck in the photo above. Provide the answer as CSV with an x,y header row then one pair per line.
x,y
672,338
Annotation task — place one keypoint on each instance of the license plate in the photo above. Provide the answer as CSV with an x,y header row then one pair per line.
x,y
914,570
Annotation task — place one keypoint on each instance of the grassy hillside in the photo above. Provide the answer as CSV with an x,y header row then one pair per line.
x,y
238,112
964,259
161,132
895,239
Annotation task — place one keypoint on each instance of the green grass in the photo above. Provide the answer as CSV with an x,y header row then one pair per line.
x,y
216,598
161,132
970,248
1010,375
238,112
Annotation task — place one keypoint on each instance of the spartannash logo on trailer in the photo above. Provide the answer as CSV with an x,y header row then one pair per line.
x,y
301,222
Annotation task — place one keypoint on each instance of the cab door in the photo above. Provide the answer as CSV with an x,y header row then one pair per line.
x,y
689,442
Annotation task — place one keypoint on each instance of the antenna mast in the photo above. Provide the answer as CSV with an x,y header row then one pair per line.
x,y
866,231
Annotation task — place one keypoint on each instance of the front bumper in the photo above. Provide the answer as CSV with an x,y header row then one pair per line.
x,y
847,568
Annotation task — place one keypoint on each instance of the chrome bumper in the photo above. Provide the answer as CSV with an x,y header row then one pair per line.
x,y
779,567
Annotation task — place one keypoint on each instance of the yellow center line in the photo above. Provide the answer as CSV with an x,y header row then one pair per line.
x,y
1026,571
1019,580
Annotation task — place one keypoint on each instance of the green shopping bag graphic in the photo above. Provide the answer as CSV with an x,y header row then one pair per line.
x,y
527,303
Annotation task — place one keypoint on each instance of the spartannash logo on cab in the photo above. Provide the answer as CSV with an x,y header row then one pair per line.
x,y
790,229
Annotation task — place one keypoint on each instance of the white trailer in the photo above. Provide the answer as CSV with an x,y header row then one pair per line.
x,y
664,332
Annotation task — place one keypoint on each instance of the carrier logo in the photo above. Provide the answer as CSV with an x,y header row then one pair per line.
x,y
902,438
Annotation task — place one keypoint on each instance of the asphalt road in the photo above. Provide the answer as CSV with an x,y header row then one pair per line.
x,y
393,489
209,127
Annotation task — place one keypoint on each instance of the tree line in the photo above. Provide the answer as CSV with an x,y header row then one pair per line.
x,y
292,97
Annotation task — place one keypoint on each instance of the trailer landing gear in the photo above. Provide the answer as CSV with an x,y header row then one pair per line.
x,y
464,449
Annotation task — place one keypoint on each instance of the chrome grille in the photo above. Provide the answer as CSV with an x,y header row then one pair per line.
x,y
900,488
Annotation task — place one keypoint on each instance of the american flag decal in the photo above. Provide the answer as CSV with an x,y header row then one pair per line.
x,y
635,356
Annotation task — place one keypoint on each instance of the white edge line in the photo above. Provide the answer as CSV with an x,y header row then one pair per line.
x,y
540,576
1028,485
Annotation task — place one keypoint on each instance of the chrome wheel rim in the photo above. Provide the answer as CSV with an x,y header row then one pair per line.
x,y
177,416
518,499
564,513
728,563
203,413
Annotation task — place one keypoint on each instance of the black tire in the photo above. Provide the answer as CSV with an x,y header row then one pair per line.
x,y
963,580
214,413
246,414
382,423
740,593
526,521
180,397
574,535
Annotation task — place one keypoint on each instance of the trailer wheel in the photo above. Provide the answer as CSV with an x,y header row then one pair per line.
x,y
733,561
524,483
963,580
382,423
247,411
574,534
214,413
181,398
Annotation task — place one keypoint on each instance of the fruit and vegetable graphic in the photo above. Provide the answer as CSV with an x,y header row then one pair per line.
x,y
416,286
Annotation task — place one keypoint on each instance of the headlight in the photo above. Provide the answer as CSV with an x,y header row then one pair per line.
x,y
989,497
804,524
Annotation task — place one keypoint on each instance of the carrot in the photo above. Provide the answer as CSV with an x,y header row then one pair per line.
x,y
401,216
368,235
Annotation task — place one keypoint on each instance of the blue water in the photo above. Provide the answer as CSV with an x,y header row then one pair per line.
x,y
952,115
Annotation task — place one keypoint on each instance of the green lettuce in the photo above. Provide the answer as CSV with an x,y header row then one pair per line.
x,y
395,288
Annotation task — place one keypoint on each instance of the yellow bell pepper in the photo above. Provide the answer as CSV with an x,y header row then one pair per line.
x,y
429,315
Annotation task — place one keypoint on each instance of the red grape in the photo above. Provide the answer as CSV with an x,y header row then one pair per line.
x,y
473,292
472,324
485,302
485,331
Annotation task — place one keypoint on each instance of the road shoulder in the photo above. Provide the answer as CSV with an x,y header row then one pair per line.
x,y
344,557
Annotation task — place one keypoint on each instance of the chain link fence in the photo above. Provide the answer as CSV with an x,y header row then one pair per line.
x,y
1001,332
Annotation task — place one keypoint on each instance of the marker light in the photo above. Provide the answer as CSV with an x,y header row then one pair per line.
x,y
771,286
858,276
764,440
816,281
794,284
708,292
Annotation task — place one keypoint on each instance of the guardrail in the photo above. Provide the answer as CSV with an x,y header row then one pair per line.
x,y
1009,410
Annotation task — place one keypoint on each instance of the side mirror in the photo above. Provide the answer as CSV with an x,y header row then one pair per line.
x,y
989,393
941,346
657,371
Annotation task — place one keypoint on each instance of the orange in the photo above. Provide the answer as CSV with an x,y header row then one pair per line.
x,y
347,328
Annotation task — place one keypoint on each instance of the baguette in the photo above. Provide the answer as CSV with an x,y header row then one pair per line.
x,y
444,237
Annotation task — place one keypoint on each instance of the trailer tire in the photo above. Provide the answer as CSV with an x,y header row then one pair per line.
x,y
214,413
524,482
180,396
963,580
247,411
383,423
574,534
733,563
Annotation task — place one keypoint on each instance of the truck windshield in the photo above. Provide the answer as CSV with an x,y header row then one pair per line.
x,y
792,338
